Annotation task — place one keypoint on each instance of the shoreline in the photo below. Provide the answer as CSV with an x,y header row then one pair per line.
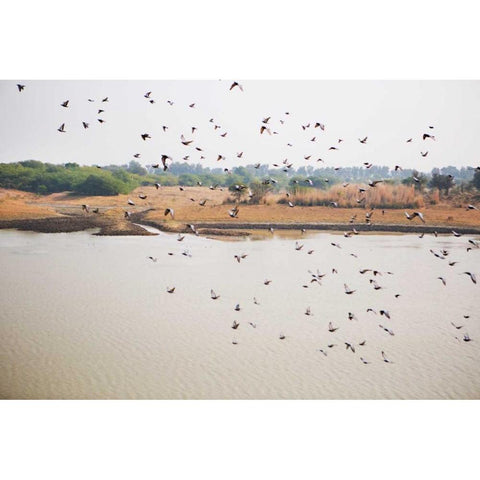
x,y
110,227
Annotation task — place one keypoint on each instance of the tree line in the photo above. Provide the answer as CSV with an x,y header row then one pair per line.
x,y
45,178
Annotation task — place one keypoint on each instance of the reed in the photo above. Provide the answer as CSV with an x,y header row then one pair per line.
x,y
381,196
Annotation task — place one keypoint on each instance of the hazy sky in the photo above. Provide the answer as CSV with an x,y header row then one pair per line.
x,y
388,112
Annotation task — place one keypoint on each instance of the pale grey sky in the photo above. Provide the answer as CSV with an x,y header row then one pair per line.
x,y
388,112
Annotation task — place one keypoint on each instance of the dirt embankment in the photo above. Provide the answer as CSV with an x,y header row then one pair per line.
x,y
63,212
75,223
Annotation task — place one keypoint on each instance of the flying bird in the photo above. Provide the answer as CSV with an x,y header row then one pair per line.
x,y
331,328
471,275
236,84
185,142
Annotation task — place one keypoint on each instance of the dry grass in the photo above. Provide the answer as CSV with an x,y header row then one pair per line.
x,y
15,204
381,196
19,205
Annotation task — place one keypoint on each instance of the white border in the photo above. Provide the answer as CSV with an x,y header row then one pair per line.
x,y
261,40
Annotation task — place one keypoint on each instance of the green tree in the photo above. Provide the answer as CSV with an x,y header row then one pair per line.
x,y
418,179
476,180
96,185
442,182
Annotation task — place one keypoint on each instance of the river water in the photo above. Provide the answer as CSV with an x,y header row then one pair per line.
x,y
90,317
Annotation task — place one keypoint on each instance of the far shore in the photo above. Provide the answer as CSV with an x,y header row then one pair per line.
x,y
65,224
62,212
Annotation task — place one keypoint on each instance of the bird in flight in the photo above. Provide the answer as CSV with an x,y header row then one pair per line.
x,y
363,140
85,125
164,159
471,275
20,87
331,328
61,129
415,214
236,84
385,359
170,211
145,136
184,141
213,295
65,104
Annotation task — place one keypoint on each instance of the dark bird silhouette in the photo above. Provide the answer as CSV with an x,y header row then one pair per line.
x,y
85,125
20,87
213,295
236,84
184,141
424,154
65,104
105,99
61,129
385,359
363,140
145,136
349,346
170,289
331,328
170,211
164,159
472,276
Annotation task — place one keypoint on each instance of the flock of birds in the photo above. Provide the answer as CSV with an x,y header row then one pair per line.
x,y
373,275
266,128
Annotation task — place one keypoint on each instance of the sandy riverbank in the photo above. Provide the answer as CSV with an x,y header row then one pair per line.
x,y
63,212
